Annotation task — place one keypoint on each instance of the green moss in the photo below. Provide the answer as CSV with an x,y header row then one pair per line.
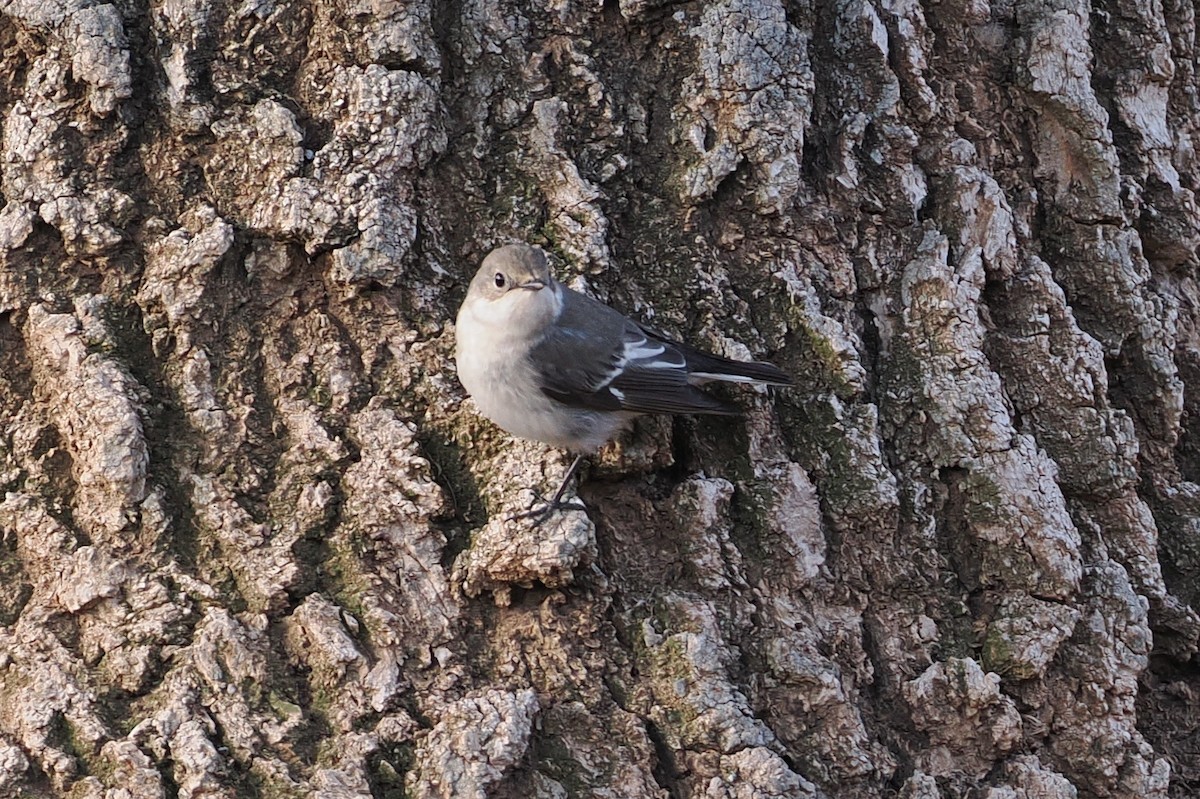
x,y
819,361
67,737
284,709
14,591
386,770
985,505
752,531
957,635
320,395
552,757
259,787
836,443
998,656
450,471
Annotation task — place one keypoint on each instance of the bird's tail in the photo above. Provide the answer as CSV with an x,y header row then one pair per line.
x,y
708,368
704,367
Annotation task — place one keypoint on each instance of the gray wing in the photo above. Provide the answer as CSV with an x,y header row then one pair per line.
x,y
596,358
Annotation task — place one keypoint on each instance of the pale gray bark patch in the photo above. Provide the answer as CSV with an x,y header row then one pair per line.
x,y
94,36
92,402
390,500
702,713
571,198
968,720
549,554
478,739
1092,698
42,165
1026,634
749,99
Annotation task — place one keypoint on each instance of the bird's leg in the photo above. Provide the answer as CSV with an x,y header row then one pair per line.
x,y
562,487
556,503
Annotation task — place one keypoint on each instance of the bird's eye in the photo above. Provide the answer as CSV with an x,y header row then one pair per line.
x,y
499,279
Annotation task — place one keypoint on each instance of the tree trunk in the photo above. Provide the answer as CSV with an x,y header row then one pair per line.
x,y
254,534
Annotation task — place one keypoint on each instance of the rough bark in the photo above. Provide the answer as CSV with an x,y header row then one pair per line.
x,y
254,537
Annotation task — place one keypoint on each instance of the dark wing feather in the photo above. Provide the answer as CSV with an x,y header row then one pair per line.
x,y
569,379
655,379
596,358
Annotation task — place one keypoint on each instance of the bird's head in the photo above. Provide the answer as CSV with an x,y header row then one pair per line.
x,y
514,284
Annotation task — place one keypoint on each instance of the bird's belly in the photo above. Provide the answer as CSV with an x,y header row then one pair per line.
x,y
507,394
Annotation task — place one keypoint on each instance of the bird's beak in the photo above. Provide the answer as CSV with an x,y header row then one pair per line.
x,y
534,285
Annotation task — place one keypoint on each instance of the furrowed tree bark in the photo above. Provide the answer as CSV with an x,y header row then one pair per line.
x,y
253,532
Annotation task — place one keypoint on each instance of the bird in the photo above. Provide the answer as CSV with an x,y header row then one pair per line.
x,y
550,364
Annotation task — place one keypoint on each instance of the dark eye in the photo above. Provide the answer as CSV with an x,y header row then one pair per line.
x,y
499,279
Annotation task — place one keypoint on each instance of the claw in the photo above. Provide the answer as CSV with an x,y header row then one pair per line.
x,y
544,511
540,515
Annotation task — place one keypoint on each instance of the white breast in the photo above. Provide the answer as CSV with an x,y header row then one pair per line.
x,y
491,350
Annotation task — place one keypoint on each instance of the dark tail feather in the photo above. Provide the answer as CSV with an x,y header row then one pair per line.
x,y
679,399
711,367
704,367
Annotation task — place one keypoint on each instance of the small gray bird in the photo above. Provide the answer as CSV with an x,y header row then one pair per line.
x,y
553,365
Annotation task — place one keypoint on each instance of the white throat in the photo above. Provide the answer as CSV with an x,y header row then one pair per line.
x,y
519,315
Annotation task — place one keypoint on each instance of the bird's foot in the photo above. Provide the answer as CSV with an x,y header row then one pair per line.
x,y
542,509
